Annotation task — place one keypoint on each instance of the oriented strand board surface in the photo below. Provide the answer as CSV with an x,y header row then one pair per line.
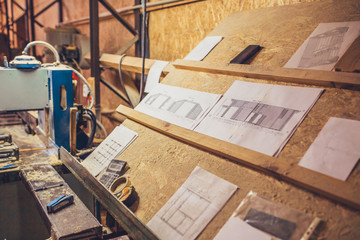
x,y
159,164
174,32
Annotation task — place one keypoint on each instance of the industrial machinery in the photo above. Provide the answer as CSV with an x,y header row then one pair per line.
x,y
27,84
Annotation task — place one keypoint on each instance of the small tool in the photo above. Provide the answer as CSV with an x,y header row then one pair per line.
x,y
48,187
249,52
60,203
9,166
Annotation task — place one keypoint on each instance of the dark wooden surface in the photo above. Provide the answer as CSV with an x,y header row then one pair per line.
x,y
72,222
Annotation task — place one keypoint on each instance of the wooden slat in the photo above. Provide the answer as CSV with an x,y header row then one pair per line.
x,y
326,186
290,75
131,224
132,64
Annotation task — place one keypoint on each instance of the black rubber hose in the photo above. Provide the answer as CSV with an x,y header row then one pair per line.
x,y
93,126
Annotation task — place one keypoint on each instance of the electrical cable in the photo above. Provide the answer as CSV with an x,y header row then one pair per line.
x,y
122,82
142,80
53,50
85,82
88,113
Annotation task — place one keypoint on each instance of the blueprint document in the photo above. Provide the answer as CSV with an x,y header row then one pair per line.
x,y
179,106
325,46
118,140
261,117
335,150
192,207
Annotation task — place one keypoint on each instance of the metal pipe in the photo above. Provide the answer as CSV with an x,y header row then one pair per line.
x,y
12,22
8,29
94,50
60,11
27,21
32,24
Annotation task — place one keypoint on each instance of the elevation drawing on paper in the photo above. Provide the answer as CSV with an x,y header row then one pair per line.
x,y
263,115
183,108
179,106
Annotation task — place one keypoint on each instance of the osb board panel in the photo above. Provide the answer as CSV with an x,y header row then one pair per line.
x,y
159,165
174,32
280,30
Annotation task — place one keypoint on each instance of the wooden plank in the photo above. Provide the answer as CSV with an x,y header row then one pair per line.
x,y
132,64
127,219
326,186
350,61
38,177
289,75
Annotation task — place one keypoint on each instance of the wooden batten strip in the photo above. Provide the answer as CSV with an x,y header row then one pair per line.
x,y
290,75
321,184
132,64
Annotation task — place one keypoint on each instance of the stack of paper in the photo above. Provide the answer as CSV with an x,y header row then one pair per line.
x,y
180,106
192,207
261,117
118,140
335,150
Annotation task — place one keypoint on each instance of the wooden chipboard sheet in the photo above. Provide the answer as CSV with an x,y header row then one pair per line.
x,y
160,164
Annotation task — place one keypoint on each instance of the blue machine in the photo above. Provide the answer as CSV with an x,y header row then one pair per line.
x,y
60,102
28,86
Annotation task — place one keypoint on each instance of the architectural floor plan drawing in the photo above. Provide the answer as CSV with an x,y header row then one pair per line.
x,y
261,117
180,106
118,140
325,46
192,207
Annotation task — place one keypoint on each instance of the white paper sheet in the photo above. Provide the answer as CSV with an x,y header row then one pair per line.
x,y
325,46
192,207
237,229
261,117
153,78
203,48
118,140
179,106
335,150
